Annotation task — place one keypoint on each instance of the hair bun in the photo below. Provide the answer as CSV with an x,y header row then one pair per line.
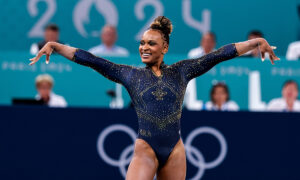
x,y
163,24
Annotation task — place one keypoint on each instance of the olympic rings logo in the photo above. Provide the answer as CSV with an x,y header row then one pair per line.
x,y
194,156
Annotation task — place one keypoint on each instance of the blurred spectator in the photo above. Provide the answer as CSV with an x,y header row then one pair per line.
x,y
51,34
288,102
207,45
220,100
255,52
44,84
108,38
108,47
293,52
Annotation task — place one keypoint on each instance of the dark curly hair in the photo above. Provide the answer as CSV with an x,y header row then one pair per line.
x,y
163,25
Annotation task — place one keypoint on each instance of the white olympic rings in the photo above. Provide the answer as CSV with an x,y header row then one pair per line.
x,y
122,162
197,160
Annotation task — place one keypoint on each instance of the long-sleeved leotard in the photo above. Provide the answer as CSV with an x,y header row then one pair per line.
x,y
157,99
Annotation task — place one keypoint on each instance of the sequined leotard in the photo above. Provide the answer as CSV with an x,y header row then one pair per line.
x,y
157,99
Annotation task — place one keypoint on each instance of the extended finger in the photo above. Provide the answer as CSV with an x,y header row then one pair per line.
x,y
35,59
39,55
272,59
47,58
33,62
275,58
273,47
262,56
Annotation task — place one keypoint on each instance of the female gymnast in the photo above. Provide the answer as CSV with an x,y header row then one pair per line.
x,y
157,92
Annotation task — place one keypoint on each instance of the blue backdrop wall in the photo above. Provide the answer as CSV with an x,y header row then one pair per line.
x,y
83,86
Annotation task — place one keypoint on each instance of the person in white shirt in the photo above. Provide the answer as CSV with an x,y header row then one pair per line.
x,y
288,102
108,47
207,45
220,100
44,84
293,52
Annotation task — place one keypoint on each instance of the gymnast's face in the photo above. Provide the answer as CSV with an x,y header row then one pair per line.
x,y
152,47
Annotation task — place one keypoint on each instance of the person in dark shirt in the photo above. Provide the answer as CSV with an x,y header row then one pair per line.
x,y
51,34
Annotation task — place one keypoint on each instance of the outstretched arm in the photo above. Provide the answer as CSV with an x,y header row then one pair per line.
x,y
192,68
115,72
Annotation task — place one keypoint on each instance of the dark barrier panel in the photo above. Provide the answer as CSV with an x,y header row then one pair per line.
x,y
74,143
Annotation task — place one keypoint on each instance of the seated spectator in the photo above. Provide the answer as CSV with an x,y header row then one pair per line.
x,y
108,47
51,34
219,99
207,45
255,52
293,52
288,102
44,84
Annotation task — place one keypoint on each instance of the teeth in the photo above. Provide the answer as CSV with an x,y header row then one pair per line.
x,y
146,54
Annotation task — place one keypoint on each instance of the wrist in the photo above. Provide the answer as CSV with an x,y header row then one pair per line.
x,y
260,41
254,43
52,44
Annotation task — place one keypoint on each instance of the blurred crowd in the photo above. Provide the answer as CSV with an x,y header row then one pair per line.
x,y
219,93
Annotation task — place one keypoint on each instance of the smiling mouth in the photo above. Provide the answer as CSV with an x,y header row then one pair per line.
x,y
146,55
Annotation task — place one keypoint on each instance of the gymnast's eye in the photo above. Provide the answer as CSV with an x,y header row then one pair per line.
x,y
142,42
152,43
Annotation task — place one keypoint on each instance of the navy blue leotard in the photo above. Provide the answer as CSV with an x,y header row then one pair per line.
x,y
157,99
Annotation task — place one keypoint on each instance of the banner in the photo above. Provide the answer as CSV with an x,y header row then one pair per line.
x,y
45,143
250,81
80,21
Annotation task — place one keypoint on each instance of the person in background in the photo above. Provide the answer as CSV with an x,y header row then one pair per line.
x,y
108,47
220,100
288,102
44,84
51,34
293,51
207,45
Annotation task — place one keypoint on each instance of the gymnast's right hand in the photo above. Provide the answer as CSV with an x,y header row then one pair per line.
x,y
46,50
